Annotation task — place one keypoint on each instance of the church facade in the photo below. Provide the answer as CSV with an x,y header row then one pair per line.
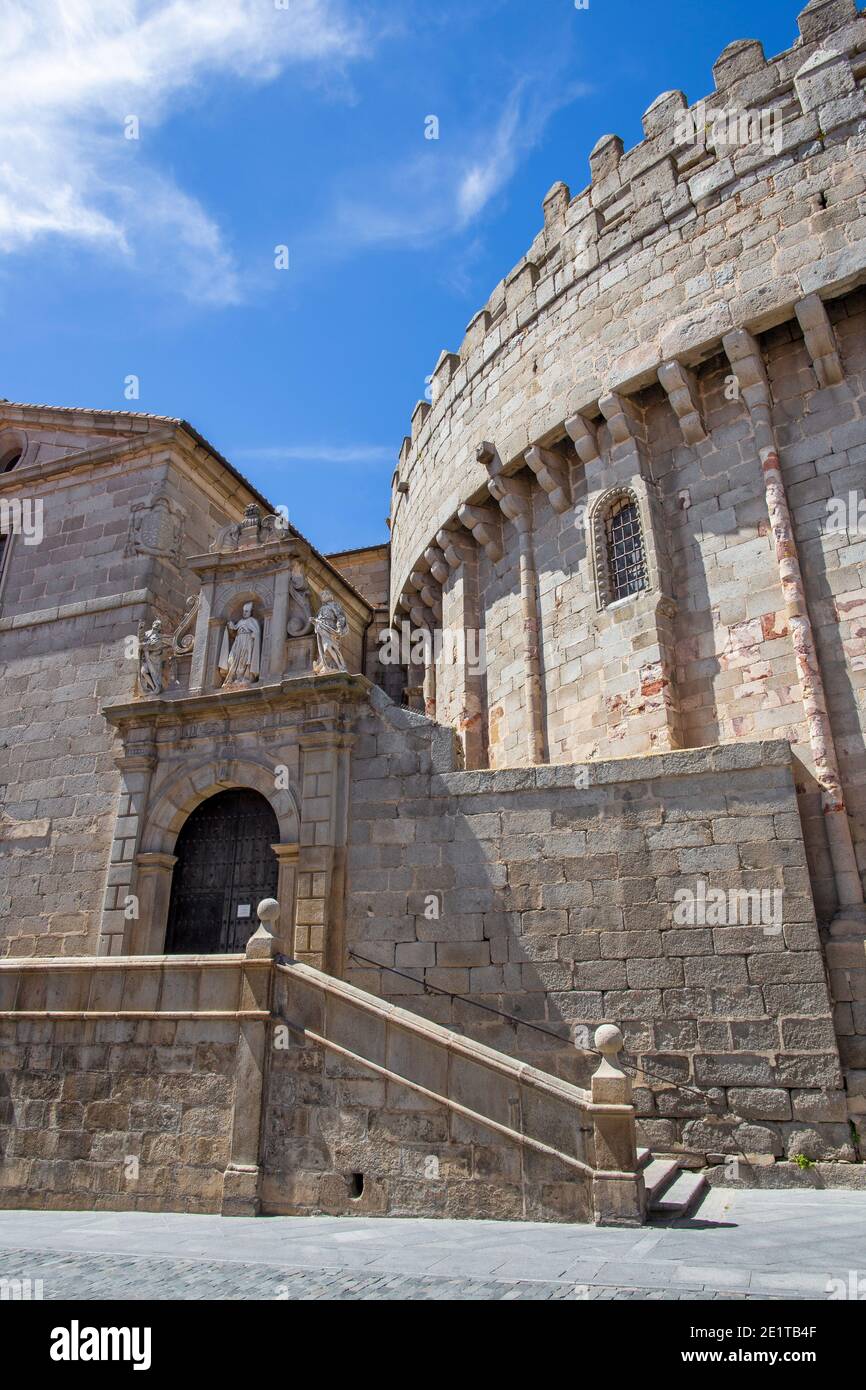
x,y
581,748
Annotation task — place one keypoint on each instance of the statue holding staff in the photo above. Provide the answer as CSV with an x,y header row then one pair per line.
x,y
240,660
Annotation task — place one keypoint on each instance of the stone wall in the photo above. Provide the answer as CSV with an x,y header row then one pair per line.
x,y
118,1084
369,569
120,511
549,894
375,1111
601,360
242,1084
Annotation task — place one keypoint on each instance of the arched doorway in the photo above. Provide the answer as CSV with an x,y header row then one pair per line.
x,y
225,866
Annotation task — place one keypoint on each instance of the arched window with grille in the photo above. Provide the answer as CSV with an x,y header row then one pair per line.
x,y
621,563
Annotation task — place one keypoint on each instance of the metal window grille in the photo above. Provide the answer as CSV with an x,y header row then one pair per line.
x,y
626,563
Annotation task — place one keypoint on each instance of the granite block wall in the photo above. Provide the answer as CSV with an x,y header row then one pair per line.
x,y
561,896
69,606
343,1138
133,1116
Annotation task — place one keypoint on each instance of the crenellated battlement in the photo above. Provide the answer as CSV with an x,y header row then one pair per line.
x,y
774,139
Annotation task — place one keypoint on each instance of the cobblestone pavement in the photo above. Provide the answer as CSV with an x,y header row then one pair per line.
x,y
741,1245
76,1276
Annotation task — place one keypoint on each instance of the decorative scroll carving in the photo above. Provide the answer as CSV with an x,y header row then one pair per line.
x,y
158,649
184,634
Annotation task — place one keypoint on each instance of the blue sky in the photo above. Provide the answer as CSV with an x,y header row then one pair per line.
x,y
301,123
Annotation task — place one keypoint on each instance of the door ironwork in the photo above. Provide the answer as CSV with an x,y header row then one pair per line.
x,y
225,866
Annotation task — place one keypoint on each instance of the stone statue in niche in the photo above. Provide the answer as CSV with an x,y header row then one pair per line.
x,y
155,659
331,625
240,660
300,607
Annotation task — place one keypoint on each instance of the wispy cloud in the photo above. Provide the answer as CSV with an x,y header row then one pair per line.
x,y
320,453
74,71
447,185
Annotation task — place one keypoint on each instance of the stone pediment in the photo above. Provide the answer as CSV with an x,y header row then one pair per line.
x,y
269,608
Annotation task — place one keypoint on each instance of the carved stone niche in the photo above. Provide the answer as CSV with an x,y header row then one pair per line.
x,y
156,527
261,588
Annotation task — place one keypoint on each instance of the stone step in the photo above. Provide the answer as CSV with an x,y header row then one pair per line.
x,y
644,1156
658,1175
681,1196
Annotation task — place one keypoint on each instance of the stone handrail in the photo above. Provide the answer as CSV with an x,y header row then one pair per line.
x,y
591,1133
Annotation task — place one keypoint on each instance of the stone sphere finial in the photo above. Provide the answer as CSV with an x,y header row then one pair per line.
x,y
268,910
608,1039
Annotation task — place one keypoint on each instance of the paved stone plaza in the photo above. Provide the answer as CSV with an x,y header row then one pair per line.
x,y
742,1245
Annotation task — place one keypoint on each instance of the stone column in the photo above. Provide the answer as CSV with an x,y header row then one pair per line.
x,y
416,674
117,930
199,666
279,622
284,929
745,357
422,582
153,890
618,1189
242,1176
514,498
320,914
461,592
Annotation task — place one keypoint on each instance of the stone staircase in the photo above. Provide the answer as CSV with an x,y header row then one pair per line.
x,y
671,1190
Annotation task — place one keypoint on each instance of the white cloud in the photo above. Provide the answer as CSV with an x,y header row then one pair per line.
x,y
75,69
321,453
446,187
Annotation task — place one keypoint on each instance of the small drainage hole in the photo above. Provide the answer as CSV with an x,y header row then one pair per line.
x,y
356,1185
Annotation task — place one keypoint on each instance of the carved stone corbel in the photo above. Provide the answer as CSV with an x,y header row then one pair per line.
x,y
454,546
820,339
551,470
485,528
584,437
437,562
682,389
421,583
622,418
